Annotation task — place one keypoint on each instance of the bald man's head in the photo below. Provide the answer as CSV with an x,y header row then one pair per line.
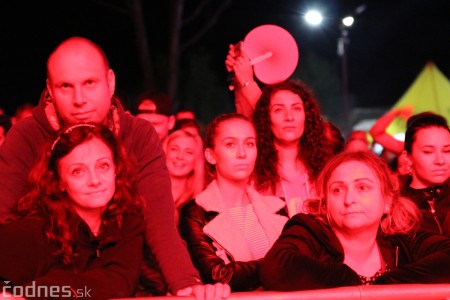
x,y
80,81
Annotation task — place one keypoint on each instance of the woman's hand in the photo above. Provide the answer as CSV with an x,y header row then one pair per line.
x,y
216,291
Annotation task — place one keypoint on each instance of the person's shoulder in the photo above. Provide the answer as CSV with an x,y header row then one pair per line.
x,y
130,122
308,221
133,221
192,209
25,228
134,128
29,126
190,205
138,134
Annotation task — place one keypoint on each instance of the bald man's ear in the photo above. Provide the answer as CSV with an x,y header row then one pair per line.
x,y
171,122
111,82
48,87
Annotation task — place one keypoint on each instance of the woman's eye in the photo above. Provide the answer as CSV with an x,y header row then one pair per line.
x,y
277,110
104,166
336,190
363,187
229,145
76,172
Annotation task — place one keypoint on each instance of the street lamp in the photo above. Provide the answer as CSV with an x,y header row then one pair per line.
x,y
314,18
343,41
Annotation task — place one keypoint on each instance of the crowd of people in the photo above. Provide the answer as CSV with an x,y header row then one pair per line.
x,y
272,197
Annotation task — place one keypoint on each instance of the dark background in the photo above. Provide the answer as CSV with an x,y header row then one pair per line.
x,y
390,43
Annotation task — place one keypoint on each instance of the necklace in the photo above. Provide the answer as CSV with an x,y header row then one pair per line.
x,y
369,280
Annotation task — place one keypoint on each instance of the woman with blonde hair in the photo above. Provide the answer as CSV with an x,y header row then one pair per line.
x,y
185,163
359,232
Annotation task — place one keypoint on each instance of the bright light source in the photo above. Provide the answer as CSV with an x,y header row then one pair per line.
x,y
348,21
313,17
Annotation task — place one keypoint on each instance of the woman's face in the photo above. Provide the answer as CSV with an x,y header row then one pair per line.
x,y
430,157
87,174
354,198
234,153
287,115
180,156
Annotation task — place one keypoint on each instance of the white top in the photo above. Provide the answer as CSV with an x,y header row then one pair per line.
x,y
247,220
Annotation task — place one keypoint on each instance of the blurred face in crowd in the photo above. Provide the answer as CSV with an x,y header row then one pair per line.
x,y
162,123
180,155
185,115
354,198
287,115
87,174
80,82
234,153
430,157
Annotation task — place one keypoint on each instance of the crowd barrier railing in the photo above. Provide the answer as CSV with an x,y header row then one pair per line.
x,y
367,292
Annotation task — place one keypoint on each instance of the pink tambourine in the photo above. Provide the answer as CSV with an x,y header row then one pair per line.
x,y
273,52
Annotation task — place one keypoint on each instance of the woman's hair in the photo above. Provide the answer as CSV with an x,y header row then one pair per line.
x,y
211,133
46,198
196,179
421,121
335,141
403,215
312,145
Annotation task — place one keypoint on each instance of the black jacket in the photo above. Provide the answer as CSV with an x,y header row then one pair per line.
x,y
308,255
216,244
240,275
433,202
104,267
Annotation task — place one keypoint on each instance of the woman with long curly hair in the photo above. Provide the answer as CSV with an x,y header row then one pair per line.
x,y
359,231
291,143
79,228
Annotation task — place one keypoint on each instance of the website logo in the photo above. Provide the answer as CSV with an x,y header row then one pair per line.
x,y
52,291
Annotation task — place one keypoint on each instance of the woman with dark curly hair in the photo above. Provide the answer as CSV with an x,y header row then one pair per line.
x,y
78,232
291,142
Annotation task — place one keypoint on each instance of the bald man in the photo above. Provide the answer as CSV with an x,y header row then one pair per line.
x,y
80,88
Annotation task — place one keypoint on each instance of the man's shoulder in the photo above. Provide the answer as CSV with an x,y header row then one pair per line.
x,y
131,125
139,137
27,226
29,131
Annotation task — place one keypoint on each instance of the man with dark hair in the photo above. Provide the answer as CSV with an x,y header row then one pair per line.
x,y
156,107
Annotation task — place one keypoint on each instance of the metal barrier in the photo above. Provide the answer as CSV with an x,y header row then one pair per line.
x,y
373,292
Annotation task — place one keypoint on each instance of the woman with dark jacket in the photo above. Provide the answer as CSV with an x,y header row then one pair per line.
x,y
360,232
427,155
78,232
229,227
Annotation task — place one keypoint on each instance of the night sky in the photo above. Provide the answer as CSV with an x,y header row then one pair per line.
x,y
390,42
